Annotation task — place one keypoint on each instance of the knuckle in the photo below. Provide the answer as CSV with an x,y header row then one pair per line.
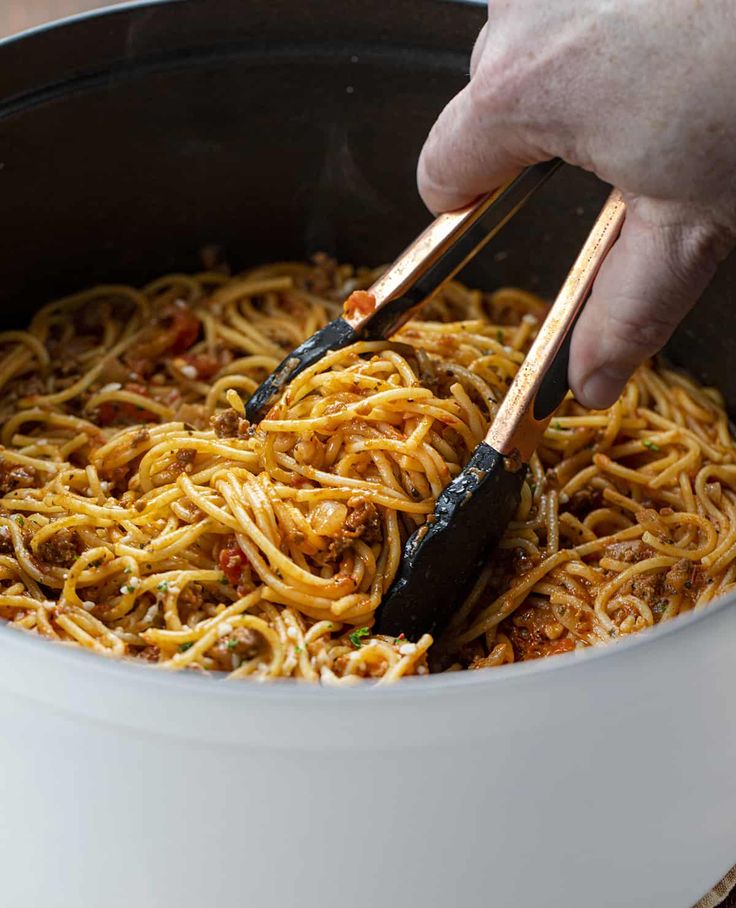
x,y
493,88
688,244
691,254
641,319
636,331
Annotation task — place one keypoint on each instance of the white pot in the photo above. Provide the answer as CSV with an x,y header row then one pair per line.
x,y
602,779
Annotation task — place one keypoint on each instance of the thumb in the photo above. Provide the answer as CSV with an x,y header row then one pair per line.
x,y
659,266
471,149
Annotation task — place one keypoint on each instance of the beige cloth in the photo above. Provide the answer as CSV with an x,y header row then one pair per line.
x,y
16,15
719,893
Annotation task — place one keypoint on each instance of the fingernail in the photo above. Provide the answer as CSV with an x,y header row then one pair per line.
x,y
600,389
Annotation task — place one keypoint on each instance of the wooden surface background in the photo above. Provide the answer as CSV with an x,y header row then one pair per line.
x,y
16,15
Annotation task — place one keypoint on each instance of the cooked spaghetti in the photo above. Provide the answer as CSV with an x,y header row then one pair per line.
x,y
143,517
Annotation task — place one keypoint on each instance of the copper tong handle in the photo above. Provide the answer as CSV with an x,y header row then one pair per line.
x,y
541,384
445,246
426,249
419,272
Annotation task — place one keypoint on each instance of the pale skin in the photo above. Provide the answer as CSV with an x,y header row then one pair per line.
x,y
643,94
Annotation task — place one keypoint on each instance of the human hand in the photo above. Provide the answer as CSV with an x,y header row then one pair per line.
x,y
644,95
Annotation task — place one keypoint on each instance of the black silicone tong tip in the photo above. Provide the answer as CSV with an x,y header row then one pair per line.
x,y
443,558
335,336
469,519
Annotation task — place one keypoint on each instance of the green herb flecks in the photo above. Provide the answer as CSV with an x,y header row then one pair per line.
x,y
357,635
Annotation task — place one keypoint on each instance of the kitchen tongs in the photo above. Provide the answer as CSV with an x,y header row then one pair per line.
x,y
441,560
449,242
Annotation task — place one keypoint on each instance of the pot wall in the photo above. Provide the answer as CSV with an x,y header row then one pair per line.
x,y
587,781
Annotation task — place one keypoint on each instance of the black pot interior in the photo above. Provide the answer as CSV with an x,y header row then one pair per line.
x,y
274,129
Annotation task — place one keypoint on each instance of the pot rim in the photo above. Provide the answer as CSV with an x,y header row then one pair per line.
x,y
68,655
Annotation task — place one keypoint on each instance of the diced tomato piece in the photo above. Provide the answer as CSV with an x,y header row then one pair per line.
x,y
207,366
170,335
360,302
232,563
184,329
111,412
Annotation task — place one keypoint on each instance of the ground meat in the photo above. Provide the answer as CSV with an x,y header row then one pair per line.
x,y
529,629
183,460
117,477
631,552
677,576
185,457
149,654
647,587
229,424
363,521
61,549
581,503
243,643
190,602
16,476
